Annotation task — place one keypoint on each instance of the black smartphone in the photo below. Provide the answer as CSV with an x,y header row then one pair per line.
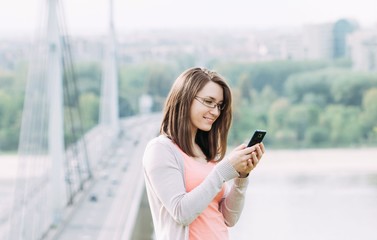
x,y
257,137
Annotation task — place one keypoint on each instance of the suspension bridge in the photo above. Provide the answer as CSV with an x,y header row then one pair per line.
x,y
73,184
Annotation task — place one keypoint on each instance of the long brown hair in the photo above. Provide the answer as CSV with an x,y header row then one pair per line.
x,y
176,117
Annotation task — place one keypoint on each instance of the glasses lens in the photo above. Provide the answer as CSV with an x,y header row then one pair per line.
x,y
209,103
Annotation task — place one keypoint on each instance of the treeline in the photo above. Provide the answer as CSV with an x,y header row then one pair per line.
x,y
12,90
306,104
300,104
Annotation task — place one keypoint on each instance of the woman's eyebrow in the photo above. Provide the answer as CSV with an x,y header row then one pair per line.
x,y
212,98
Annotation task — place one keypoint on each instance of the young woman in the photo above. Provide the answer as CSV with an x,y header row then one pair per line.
x,y
186,172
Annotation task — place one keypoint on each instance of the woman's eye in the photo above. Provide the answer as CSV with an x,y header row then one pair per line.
x,y
209,102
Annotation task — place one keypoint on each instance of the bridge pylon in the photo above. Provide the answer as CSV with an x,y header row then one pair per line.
x,y
109,108
52,167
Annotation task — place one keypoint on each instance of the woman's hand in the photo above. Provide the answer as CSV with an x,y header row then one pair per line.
x,y
245,159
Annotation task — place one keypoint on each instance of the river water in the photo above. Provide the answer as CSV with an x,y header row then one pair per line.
x,y
311,194
293,195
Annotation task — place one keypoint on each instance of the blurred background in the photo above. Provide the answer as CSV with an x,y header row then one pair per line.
x,y
305,71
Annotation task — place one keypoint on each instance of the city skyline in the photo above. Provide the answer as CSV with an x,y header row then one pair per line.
x,y
90,17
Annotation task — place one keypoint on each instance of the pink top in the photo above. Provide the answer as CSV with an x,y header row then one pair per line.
x,y
210,223
173,209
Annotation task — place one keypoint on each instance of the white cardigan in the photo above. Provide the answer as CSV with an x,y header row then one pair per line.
x,y
172,208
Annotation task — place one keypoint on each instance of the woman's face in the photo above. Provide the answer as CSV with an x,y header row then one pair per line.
x,y
201,116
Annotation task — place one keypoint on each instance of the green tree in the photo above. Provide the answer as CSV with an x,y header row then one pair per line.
x,y
12,84
9,122
89,78
316,136
368,117
316,83
244,86
278,133
154,79
89,103
258,75
342,123
301,117
349,88
244,124
277,114
158,82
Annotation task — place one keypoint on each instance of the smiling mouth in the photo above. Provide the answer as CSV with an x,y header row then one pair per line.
x,y
209,119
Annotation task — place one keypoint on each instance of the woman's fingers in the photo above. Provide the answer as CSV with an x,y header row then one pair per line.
x,y
249,163
254,158
261,145
259,149
259,152
251,157
245,159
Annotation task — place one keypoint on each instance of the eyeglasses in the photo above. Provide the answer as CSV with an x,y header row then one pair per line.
x,y
210,103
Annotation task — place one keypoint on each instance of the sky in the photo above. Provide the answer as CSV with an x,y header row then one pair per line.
x,y
90,17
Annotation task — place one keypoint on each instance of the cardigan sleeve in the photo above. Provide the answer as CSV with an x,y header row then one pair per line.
x,y
165,174
233,203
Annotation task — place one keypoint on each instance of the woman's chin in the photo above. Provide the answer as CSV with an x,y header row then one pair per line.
x,y
206,128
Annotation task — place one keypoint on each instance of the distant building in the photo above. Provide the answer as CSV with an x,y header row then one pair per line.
x,y
317,41
291,47
86,49
363,50
327,41
341,30
12,52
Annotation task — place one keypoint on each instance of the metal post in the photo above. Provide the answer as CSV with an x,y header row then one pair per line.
x,y
56,116
109,112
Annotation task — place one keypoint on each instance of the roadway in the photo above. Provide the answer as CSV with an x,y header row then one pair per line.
x,y
109,208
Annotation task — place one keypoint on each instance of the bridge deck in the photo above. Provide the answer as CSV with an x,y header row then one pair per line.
x,y
109,208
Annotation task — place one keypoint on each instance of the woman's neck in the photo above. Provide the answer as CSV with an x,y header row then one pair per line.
x,y
198,154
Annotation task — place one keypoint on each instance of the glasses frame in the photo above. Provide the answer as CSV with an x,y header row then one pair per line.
x,y
202,100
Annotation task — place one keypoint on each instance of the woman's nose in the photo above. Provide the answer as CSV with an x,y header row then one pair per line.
x,y
215,111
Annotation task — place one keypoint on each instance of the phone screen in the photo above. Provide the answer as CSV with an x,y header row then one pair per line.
x,y
257,137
